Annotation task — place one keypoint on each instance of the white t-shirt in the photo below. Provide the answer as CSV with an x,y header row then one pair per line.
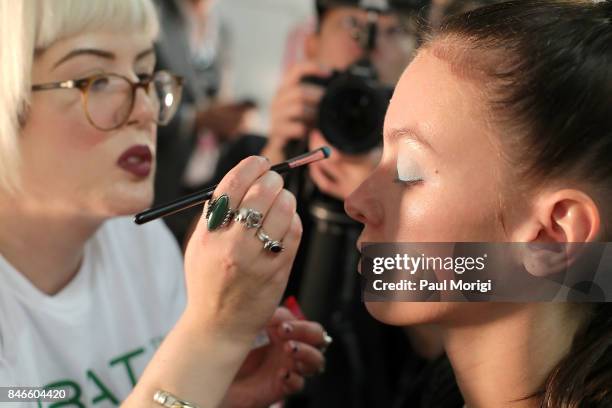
x,y
96,335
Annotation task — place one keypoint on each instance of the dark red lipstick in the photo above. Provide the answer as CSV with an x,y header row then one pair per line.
x,y
137,160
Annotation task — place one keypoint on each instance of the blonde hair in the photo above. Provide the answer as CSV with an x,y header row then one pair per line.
x,y
31,26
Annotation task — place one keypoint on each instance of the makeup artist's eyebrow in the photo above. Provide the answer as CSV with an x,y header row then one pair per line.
x,y
99,53
401,133
85,51
144,54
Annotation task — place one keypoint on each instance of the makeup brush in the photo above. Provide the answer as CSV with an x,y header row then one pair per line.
x,y
202,196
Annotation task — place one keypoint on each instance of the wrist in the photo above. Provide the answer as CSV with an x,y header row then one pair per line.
x,y
234,337
195,362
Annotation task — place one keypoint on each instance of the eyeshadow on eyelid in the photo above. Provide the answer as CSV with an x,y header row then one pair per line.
x,y
407,168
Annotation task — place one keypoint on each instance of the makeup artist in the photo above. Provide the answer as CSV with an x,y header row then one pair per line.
x,y
91,303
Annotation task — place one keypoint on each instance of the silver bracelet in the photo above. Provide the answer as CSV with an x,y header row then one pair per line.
x,y
165,399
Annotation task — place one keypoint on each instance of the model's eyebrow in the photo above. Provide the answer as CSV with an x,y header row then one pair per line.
x,y
409,133
100,54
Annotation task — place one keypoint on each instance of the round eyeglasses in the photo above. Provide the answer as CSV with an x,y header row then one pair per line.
x,y
108,99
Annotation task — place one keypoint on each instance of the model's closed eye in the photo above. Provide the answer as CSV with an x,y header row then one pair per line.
x,y
408,183
408,170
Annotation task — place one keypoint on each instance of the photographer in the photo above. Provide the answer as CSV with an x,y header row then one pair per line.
x,y
338,97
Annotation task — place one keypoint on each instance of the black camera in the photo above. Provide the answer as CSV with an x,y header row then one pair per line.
x,y
352,111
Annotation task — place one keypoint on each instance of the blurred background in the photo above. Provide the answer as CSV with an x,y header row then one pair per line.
x,y
263,38
261,33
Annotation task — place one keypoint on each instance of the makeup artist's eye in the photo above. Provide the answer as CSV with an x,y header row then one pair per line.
x,y
99,84
144,76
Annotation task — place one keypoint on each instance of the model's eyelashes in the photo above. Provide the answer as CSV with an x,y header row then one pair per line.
x,y
408,182
409,176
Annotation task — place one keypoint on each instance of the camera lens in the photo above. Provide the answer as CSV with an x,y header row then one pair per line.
x,y
352,113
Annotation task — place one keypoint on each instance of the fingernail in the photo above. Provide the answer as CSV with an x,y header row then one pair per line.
x,y
287,327
294,347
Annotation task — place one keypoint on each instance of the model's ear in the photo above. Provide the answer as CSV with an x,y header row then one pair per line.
x,y
559,223
311,46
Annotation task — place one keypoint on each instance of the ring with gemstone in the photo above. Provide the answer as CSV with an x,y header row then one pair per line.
x,y
218,212
269,244
249,217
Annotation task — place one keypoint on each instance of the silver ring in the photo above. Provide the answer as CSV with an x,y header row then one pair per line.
x,y
165,399
327,341
269,244
249,217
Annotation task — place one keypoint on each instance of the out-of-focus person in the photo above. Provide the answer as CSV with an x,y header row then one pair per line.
x,y
195,44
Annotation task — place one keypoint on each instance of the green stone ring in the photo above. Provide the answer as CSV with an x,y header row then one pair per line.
x,y
218,213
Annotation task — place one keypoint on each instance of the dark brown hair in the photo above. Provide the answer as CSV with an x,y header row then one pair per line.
x,y
584,377
547,66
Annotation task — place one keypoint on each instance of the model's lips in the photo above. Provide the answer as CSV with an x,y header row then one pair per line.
x,y
358,245
137,160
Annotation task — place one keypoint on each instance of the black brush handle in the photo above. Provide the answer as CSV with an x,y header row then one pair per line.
x,y
200,197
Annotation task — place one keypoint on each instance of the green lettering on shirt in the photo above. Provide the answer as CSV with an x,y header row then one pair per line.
x,y
125,359
73,389
106,394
